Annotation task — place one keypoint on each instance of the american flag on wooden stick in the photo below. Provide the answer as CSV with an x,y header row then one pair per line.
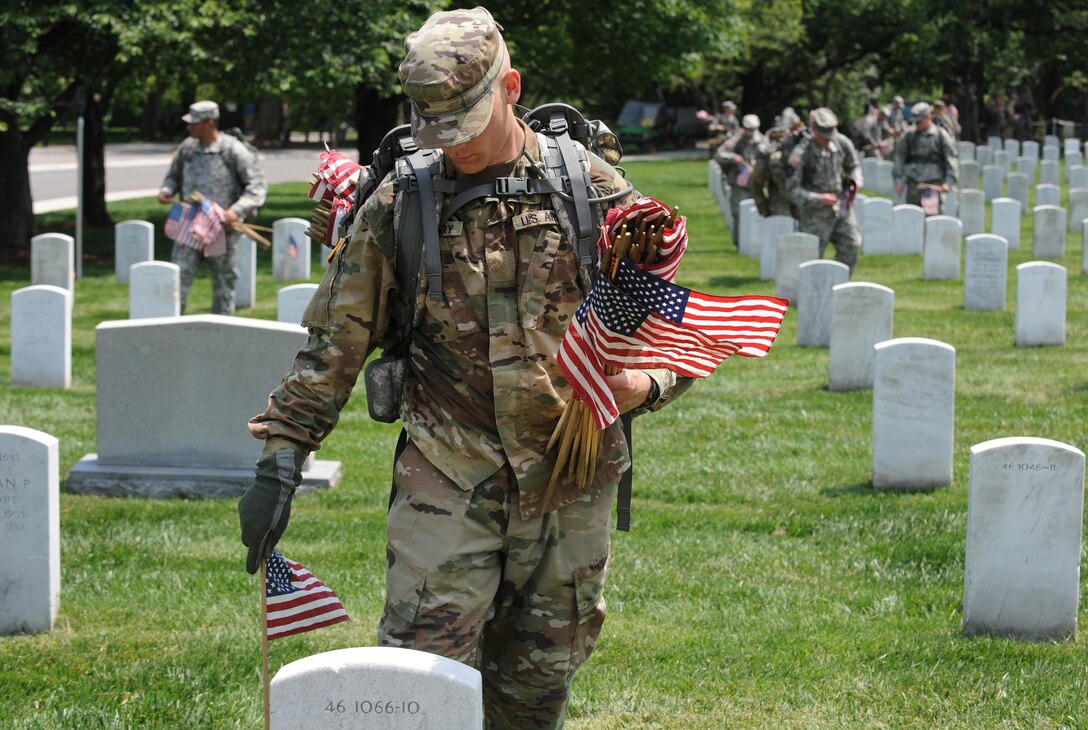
x,y
642,321
336,176
296,601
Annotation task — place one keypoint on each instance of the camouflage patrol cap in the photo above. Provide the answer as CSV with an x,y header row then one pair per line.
x,y
824,120
449,70
920,110
728,105
750,121
201,111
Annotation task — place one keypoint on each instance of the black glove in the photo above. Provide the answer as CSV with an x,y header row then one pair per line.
x,y
266,506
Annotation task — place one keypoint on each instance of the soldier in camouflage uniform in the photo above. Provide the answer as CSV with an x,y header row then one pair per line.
x,y
822,165
768,183
736,156
224,169
925,159
484,564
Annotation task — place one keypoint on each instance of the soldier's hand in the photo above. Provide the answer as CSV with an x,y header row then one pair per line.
x,y
629,389
828,199
265,507
899,188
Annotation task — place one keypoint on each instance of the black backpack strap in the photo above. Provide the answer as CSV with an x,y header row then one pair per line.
x,y
423,166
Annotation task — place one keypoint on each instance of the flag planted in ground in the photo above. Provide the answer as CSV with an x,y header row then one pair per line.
x,y
296,601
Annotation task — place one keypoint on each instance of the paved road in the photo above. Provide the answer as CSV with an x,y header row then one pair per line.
x,y
136,170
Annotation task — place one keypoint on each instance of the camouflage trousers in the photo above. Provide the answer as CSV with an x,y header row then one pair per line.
x,y
841,231
520,600
224,271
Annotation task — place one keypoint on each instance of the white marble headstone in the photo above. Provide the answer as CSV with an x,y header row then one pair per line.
x,y
29,530
1012,146
134,243
993,142
1003,159
1071,146
1048,232
993,178
1048,194
914,409
816,282
883,184
1017,186
1026,165
1025,507
1078,208
794,249
1084,249
876,234
771,230
292,302
41,337
1073,159
1078,177
290,249
973,212
1051,153
245,286
951,204
1040,304
376,687
1005,221
985,272
1048,172
749,220
984,156
154,290
941,260
969,172
966,150
861,316
53,261
1030,148
908,229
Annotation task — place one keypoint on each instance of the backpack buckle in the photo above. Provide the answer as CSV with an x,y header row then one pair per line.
x,y
511,185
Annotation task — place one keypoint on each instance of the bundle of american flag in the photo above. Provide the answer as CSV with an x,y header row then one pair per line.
x,y
197,224
333,187
636,317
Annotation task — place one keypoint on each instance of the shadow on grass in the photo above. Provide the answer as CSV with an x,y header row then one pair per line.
x,y
729,282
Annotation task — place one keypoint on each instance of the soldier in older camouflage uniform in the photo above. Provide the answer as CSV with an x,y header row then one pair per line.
x,y
925,159
224,169
736,156
822,165
484,564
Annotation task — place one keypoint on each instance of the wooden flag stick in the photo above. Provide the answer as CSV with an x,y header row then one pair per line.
x,y
264,645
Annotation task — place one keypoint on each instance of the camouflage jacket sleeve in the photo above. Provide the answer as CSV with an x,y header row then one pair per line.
x,y
250,174
951,159
346,318
851,166
900,158
795,179
757,183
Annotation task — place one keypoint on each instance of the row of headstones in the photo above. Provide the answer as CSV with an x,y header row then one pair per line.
x,y
906,230
1025,507
41,320
52,256
1052,147
851,317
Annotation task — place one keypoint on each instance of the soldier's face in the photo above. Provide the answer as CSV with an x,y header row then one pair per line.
x,y
493,145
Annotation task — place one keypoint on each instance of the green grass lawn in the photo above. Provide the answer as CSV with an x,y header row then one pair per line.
x,y
764,583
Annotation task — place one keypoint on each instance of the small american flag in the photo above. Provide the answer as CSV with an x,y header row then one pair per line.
x,y
199,225
673,244
292,247
642,321
336,176
296,600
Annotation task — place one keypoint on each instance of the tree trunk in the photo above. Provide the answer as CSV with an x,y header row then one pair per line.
x,y
16,206
374,116
95,212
